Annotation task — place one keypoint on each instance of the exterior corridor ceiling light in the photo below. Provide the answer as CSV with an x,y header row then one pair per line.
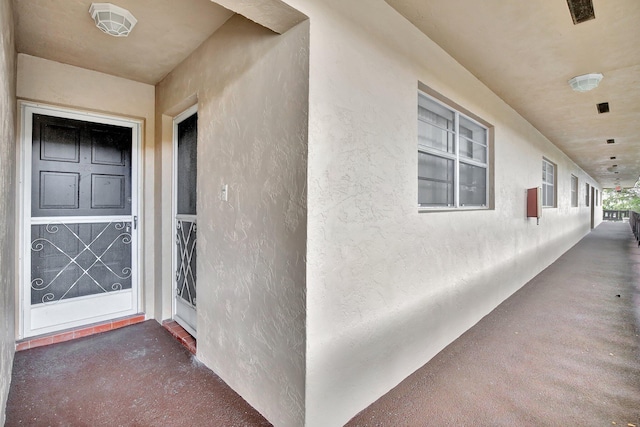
x,y
585,82
111,19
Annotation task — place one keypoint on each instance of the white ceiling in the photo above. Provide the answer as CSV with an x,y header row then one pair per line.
x,y
526,51
166,33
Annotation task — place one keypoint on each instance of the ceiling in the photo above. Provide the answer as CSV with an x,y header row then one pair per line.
x,y
166,33
526,51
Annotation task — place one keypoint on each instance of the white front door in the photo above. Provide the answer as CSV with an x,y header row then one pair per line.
x,y
80,214
184,209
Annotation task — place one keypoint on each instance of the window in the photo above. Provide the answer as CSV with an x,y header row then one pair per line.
x,y
453,157
548,184
574,191
586,193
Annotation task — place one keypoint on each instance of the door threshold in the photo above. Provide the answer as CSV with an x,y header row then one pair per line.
x,y
181,335
79,332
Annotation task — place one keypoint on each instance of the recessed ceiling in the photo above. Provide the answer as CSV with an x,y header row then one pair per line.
x,y
526,51
166,33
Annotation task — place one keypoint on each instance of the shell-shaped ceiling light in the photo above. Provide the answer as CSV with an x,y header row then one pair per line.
x,y
585,82
111,19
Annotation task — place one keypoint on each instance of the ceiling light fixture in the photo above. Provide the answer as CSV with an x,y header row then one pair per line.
x,y
111,19
585,82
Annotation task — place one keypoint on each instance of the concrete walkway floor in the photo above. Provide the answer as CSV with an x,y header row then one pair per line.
x,y
135,376
562,351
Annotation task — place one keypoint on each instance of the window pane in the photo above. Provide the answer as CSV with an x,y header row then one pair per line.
x,y
547,172
432,112
435,180
435,137
472,131
435,125
472,150
473,185
547,195
548,184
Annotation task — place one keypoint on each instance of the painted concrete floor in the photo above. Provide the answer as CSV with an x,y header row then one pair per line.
x,y
135,376
562,351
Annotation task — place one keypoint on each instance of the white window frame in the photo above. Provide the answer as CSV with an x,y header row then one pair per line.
x,y
455,156
574,191
546,164
587,196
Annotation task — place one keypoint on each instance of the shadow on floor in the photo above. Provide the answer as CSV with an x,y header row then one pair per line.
x,y
135,376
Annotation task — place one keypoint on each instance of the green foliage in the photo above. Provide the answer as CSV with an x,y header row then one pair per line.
x,y
625,199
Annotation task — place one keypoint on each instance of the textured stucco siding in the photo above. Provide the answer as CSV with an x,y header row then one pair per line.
x,y
7,199
387,286
251,87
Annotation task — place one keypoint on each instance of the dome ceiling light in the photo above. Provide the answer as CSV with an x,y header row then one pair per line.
x,y
111,19
585,82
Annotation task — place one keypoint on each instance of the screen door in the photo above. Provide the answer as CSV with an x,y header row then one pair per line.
x,y
185,189
82,231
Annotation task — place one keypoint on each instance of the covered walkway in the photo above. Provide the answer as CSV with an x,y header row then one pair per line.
x,y
564,350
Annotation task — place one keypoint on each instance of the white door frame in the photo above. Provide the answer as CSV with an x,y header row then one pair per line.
x,y
93,308
174,223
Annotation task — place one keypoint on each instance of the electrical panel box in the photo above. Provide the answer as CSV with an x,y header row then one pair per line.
x,y
534,203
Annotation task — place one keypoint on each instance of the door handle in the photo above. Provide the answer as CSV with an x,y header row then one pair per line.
x,y
135,222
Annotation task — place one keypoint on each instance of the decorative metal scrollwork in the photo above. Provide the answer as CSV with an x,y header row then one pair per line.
x,y
185,273
72,260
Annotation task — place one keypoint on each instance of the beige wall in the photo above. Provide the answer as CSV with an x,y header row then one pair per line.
x,y
67,86
389,287
7,198
251,87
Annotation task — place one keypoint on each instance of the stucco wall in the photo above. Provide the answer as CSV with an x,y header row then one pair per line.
x,y
7,198
64,85
251,87
388,287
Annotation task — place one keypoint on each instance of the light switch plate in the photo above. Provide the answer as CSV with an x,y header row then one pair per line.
x,y
224,193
